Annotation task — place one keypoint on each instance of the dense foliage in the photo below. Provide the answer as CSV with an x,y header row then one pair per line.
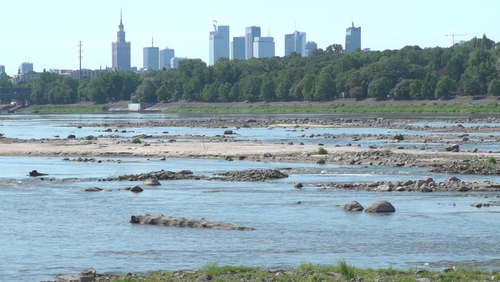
x,y
472,68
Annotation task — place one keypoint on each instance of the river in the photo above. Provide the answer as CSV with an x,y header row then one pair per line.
x,y
51,226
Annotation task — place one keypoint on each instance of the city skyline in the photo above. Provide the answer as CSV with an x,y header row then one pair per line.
x,y
48,36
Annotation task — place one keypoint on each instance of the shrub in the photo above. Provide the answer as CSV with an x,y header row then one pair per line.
x,y
321,151
492,160
136,141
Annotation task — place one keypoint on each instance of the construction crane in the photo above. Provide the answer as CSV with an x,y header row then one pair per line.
x,y
453,36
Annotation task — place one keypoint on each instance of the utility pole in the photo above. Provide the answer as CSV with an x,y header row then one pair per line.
x,y
80,60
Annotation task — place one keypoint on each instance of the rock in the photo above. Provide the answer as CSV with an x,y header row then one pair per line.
x,y
75,278
71,136
463,189
399,137
36,173
320,161
183,222
400,189
453,178
384,188
136,189
90,137
205,277
93,189
184,171
353,206
151,182
453,148
298,185
267,155
228,132
380,207
163,159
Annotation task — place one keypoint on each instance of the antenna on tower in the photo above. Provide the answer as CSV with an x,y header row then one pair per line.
x,y
214,22
152,45
294,25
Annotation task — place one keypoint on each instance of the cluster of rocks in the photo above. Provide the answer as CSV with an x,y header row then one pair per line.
x,y
421,185
466,166
377,207
184,222
251,175
156,175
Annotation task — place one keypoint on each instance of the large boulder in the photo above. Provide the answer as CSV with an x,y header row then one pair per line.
x,y
151,182
36,173
136,189
399,137
184,222
353,206
380,207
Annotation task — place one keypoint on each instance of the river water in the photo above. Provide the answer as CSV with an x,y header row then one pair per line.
x,y
51,226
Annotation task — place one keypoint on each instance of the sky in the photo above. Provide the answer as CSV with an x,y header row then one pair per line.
x,y
47,33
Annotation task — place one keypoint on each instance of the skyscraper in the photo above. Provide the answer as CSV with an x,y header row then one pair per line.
x,y
151,57
263,47
238,48
295,42
250,34
310,46
165,56
121,50
218,44
352,39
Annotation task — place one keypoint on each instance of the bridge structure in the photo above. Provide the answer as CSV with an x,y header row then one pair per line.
x,y
19,95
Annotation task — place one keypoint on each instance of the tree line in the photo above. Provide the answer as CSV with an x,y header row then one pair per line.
x,y
469,69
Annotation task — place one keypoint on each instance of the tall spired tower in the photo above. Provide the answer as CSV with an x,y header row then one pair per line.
x,y
121,50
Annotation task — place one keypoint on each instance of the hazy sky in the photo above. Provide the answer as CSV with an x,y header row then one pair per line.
x,y
47,33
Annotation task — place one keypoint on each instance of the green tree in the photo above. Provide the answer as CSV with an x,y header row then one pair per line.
x,y
268,90
402,90
379,88
494,87
429,86
309,83
283,90
445,88
325,88
251,88
416,89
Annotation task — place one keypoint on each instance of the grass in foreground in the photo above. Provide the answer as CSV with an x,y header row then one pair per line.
x,y
343,271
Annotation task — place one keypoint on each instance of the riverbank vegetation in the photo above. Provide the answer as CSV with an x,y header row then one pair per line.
x,y
379,107
343,271
65,109
411,73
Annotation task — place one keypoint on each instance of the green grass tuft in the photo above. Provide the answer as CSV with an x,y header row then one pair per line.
x,y
347,270
321,151
136,141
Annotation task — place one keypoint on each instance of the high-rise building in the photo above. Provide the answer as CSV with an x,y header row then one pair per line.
x,y
151,57
25,67
218,44
352,39
174,62
238,48
263,47
120,50
295,42
165,56
310,46
251,33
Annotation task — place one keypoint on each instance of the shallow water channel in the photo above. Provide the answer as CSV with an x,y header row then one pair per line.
x,y
52,226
